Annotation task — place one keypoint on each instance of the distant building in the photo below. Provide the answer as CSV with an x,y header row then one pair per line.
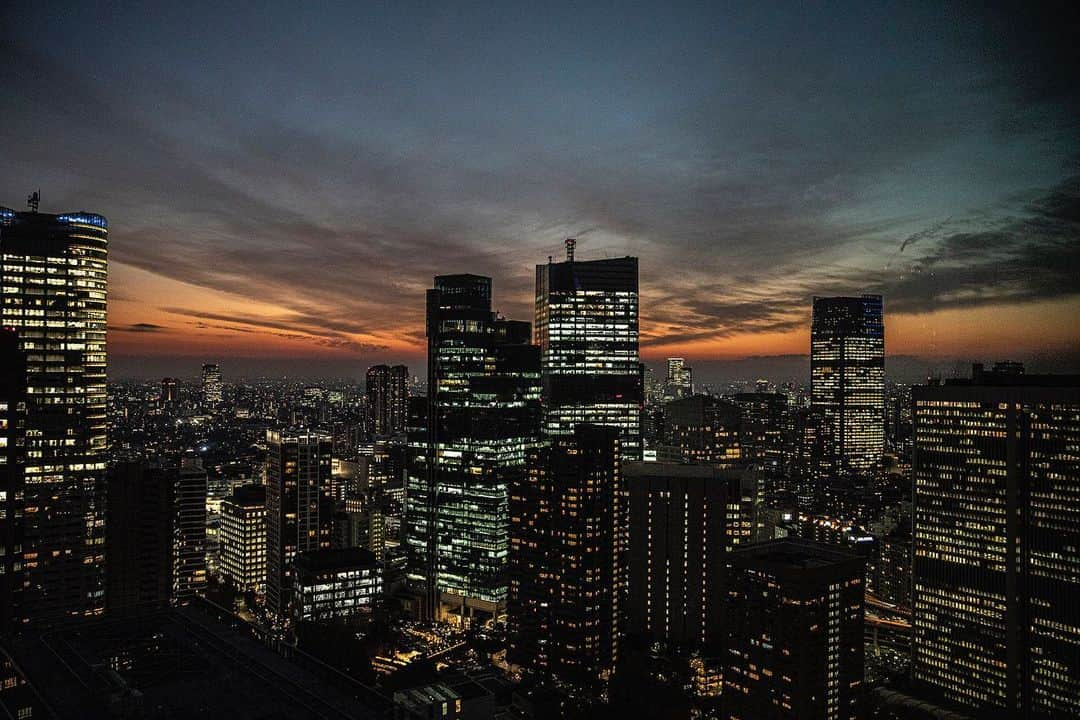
x,y
388,397
684,518
360,529
139,537
55,277
298,509
847,374
170,391
189,531
793,615
704,429
335,585
568,559
680,379
211,386
587,330
761,428
243,538
996,625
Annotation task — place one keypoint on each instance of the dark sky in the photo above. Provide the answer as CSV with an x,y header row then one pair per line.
x,y
282,181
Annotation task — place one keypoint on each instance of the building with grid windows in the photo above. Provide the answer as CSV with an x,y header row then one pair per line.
x,y
587,329
338,585
54,271
388,398
243,538
481,420
211,385
847,377
996,543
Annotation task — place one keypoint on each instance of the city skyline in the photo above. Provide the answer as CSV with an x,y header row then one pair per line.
x,y
391,149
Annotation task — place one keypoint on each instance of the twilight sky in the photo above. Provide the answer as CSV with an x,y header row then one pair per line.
x,y
282,181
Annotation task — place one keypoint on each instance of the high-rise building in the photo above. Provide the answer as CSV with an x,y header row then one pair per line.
x,y
189,530
335,585
138,537
793,615
679,382
847,376
703,428
483,416
211,386
761,435
55,277
587,330
684,518
298,471
996,625
243,538
388,398
569,543
12,467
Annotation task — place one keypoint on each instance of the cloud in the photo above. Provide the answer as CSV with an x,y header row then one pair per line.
x,y
141,327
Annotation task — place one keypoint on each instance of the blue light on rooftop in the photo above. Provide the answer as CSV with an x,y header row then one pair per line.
x,y
84,219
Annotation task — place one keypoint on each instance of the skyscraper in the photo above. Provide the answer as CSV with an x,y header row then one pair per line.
x,y
189,530
587,330
211,386
12,467
679,382
483,416
298,473
243,538
793,616
388,398
703,428
569,543
847,375
139,537
997,543
684,518
55,278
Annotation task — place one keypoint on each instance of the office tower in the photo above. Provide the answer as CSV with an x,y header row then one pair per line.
x,y
684,518
892,571
483,416
12,467
676,368
388,397
569,542
705,429
335,585
587,330
211,386
243,538
189,531
761,434
360,529
55,278
138,537
297,519
997,543
847,377
170,391
793,615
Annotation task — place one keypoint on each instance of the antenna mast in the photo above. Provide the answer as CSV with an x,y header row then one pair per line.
x,y
34,200
571,243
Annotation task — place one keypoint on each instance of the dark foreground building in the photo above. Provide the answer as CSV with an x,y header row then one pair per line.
x,y
794,646
997,543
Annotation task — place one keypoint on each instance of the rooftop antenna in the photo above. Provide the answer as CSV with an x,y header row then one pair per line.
x,y
34,200
571,243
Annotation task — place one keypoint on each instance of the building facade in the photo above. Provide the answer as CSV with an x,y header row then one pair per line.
x,y
243,538
55,272
847,376
996,624
339,585
587,329
12,467
388,398
794,623
189,530
704,429
298,480
569,565
211,386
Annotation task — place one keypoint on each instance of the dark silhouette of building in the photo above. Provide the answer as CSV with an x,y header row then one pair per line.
x,y
139,537
55,281
793,615
587,329
761,429
189,530
12,467
684,519
388,398
298,509
703,428
847,374
996,626
483,416
170,391
568,519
